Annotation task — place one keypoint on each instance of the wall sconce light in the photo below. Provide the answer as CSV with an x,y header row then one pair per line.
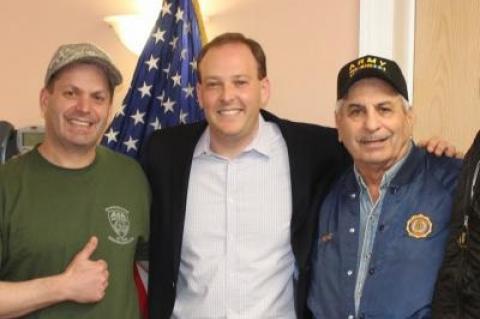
x,y
132,30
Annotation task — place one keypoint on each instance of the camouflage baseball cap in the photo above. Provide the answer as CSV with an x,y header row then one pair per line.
x,y
83,52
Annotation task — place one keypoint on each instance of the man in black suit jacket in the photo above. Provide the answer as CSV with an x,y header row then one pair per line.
x,y
233,87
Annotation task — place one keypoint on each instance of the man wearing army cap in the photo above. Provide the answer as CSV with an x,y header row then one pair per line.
x,y
383,226
69,226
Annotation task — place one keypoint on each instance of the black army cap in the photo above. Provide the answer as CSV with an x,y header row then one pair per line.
x,y
370,66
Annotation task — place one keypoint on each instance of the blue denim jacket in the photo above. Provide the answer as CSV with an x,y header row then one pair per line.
x,y
403,268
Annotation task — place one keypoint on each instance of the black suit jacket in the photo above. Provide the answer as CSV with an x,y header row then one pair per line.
x,y
315,158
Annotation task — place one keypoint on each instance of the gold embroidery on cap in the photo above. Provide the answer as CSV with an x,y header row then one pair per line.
x,y
419,226
368,63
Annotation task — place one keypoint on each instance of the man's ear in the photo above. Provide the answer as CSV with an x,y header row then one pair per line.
x,y
44,97
199,94
265,91
411,118
337,121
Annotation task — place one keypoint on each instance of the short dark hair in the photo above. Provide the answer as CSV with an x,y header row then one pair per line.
x,y
51,81
234,37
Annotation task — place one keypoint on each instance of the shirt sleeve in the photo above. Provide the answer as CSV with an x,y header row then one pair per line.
x,y
141,252
2,218
1,248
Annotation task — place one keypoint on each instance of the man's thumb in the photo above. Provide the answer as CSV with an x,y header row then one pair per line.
x,y
89,248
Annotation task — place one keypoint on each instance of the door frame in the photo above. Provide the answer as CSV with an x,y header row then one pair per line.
x,y
387,28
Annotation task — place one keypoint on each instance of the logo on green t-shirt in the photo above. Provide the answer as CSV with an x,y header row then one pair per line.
x,y
118,218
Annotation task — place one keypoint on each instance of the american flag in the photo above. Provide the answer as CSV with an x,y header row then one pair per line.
x,y
162,92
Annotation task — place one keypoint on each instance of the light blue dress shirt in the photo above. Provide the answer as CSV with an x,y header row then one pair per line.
x,y
236,258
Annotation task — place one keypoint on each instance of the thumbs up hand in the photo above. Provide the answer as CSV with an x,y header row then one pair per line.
x,y
86,279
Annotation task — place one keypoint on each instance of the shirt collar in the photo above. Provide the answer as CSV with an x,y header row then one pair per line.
x,y
259,144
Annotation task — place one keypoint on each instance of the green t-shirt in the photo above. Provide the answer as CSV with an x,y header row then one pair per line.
x,y
48,213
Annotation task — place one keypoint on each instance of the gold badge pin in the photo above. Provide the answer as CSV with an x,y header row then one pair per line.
x,y
419,226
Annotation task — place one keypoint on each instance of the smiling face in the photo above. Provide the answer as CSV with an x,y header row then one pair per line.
x,y
374,125
231,94
76,107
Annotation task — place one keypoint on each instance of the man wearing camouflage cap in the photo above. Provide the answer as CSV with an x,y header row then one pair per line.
x,y
382,228
70,226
